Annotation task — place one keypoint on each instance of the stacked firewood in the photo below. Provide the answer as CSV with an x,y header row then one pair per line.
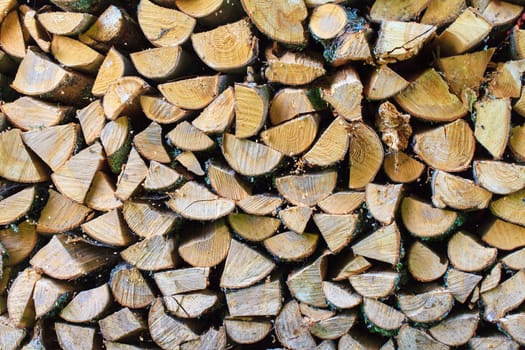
x,y
296,174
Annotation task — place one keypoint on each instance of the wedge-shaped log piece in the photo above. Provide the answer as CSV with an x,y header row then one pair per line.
x,y
18,164
247,330
290,331
307,189
266,16
61,214
458,193
161,177
504,298
383,245
515,261
344,94
466,253
13,37
260,204
74,177
449,147
101,194
517,43
37,75
210,13
382,316
492,125
226,183
334,327
121,325
426,307
383,200
465,72
18,244
149,144
54,144
251,109
357,340
492,279
116,139
400,41
349,265
130,288
461,284
343,202
375,284
513,325
27,113
194,201
122,96
114,67
244,266
500,13
413,338
294,136
465,33
254,228
92,121
67,259
517,142
394,126
166,331
337,230
296,218
331,146
401,167
191,305
227,48
88,305
291,246
207,245
293,68
151,254
288,103
161,111
327,21
73,337
425,221
161,63
428,98
193,93
146,221
499,177
305,284
189,138
65,23
383,83
443,12
397,10
20,304
14,207
75,54
504,235
315,314
340,296
506,81
365,155
182,280
164,26
109,228
510,208
248,157
218,115
456,330
48,294
424,264
132,176
493,342
264,299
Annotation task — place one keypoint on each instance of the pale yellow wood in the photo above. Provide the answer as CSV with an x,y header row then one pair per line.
x,y
159,110
27,113
307,189
466,253
61,214
92,121
65,23
365,155
114,66
294,136
251,108
345,93
101,194
132,176
75,54
161,63
146,221
293,68
383,83
397,10
218,115
457,192
187,137
122,96
17,205
193,93
109,228
149,144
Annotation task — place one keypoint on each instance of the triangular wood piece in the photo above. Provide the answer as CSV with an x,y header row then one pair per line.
x,y
151,254
54,144
307,189
218,115
461,284
305,284
383,245
73,179
109,228
92,121
61,214
253,228
383,83
160,177
383,200
116,139
260,204
132,176
28,113
291,246
244,266
296,218
47,293
337,230
149,144
101,195
190,162
17,205
146,221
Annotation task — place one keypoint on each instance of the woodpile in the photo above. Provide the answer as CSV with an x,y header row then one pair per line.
x,y
245,174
